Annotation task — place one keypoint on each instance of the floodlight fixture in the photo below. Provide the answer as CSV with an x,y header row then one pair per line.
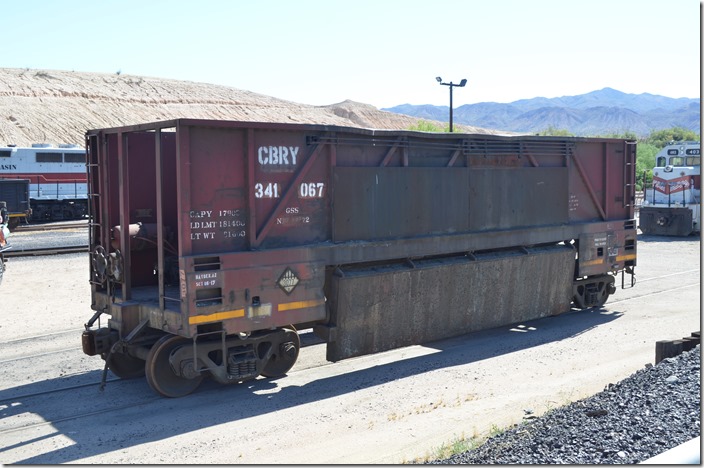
x,y
451,85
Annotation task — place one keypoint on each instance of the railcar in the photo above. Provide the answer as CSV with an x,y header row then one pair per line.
x,y
672,206
15,194
57,178
213,243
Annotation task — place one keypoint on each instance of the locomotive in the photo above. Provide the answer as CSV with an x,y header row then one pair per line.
x,y
57,178
672,207
214,243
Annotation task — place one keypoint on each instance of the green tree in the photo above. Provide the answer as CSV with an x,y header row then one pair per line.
x,y
662,138
625,136
552,131
425,126
645,161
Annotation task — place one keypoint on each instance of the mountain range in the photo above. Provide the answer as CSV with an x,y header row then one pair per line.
x,y
603,112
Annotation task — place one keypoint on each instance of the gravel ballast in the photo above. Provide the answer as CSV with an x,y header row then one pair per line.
x,y
653,410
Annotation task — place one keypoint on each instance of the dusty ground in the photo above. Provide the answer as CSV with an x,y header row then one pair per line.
x,y
386,408
51,106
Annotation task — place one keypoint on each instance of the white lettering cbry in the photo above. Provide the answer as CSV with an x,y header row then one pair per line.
x,y
277,155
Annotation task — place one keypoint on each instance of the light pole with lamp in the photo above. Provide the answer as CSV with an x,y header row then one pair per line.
x,y
451,85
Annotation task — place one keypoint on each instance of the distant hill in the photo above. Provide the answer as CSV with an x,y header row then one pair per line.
x,y
600,112
49,106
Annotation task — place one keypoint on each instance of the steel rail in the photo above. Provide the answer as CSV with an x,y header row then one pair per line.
x,y
45,251
49,227
54,390
77,416
39,355
45,335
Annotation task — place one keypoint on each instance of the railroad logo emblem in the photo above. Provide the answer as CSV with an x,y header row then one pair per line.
x,y
288,281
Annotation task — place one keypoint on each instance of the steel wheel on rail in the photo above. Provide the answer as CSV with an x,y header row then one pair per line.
x,y
13,223
605,291
161,376
283,359
125,366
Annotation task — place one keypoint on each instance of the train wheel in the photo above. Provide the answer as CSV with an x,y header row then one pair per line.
x,y
161,376
285,357
125,366
594,293
606,289
603,296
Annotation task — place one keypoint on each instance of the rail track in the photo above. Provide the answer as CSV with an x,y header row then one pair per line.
x,y
39,355
33,425
53,391
45,251
51,226
306,336
307,339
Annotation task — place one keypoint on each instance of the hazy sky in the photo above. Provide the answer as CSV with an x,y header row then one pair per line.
x,y
379,52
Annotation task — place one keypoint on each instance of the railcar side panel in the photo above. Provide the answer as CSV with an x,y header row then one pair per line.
x,y
386,203
377,309
291,188
213,198
517,198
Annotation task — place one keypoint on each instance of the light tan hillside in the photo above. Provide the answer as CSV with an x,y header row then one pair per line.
x,y
48,106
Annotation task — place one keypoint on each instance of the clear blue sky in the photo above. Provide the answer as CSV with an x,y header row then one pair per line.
x,y
379,52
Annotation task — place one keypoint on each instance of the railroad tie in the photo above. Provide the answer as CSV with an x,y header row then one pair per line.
x,y
670,348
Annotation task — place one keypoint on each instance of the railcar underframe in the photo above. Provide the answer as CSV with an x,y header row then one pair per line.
x,y
213,242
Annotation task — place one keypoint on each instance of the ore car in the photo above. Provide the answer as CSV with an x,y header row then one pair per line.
x,y
213,243
672,207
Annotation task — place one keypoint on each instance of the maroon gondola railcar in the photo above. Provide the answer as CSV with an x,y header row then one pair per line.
x,y
214,242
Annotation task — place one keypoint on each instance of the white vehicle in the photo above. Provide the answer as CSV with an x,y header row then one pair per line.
x,y
672,207
57,176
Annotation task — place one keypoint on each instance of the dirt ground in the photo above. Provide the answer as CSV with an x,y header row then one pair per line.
x,y
385,408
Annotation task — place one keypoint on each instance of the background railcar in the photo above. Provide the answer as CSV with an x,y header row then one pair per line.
x,y
672,206
214,242
57,178
15,193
